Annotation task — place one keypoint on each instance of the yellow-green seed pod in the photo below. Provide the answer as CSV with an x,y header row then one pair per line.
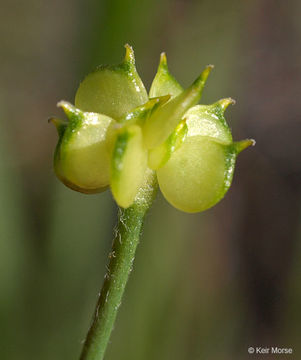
x,y
197,175
81,159
112,90
199,172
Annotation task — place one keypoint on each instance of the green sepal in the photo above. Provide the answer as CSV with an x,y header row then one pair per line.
x,y
164,83
243,144
81,159
209,120
136,116
141,113
73,114
160,125
112,90
128,165
159,156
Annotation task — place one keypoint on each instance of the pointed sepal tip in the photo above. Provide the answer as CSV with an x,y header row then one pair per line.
x,y
129,54
70,110
243,144
224,103
163,60
201,80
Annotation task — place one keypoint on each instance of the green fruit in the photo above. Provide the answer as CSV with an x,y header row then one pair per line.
x,y
199,173
112,90
118,136
81,158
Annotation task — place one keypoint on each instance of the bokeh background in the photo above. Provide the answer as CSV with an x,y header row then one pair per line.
x,y
205,286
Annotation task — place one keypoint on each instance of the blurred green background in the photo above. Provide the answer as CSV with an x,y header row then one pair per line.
x,y
205,286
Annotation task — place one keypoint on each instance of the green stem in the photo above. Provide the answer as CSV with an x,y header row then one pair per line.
x,y
127,234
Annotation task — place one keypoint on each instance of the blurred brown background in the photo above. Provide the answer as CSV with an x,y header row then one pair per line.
x,y
205,286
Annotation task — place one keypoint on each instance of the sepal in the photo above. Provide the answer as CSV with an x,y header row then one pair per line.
x,y
141,113
128,165
159,156
162,123
243,144
136,116
73,114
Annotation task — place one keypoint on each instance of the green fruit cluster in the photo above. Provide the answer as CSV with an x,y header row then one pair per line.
x,y
117,134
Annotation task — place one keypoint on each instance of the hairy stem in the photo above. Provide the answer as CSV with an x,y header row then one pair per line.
x,y
127,234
